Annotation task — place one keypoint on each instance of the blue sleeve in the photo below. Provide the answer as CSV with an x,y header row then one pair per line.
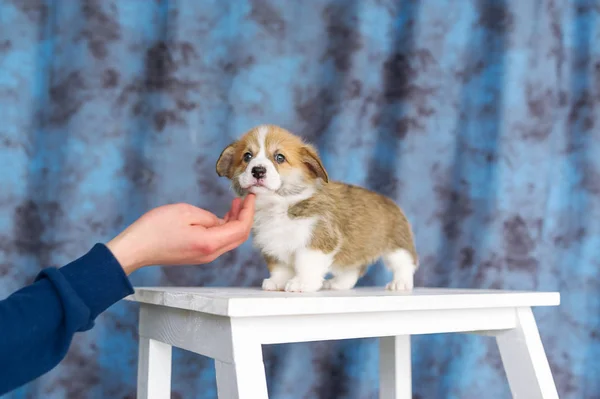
x,y
37,323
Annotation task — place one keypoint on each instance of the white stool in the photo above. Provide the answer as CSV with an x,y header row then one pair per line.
x,y
230,325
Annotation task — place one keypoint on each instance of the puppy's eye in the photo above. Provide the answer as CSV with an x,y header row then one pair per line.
x,y
247,157
279,158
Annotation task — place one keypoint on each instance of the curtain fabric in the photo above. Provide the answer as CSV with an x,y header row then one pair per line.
x,y
478,117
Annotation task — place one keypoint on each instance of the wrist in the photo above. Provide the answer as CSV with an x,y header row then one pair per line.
x,y
126,253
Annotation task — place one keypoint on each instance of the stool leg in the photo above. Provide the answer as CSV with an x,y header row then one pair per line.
x,y
244,378
395,377
154,370
525,361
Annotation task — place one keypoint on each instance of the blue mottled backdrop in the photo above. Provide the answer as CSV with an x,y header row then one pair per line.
x,y
479,117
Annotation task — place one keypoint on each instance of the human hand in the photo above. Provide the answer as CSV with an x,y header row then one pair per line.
x,y
181,234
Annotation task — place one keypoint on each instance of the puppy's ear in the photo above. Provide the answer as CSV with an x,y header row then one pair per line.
x,y
225,161
311,159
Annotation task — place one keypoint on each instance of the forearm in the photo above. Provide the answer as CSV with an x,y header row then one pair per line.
x,y
37,323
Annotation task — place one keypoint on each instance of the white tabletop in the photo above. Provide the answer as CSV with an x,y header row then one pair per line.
x,y
244,302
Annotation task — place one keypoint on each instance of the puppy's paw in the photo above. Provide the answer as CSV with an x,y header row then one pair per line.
x,y
400,285
270,284
302,285
337,285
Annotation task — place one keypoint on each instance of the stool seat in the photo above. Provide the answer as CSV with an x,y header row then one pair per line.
x,y
245,302
230,325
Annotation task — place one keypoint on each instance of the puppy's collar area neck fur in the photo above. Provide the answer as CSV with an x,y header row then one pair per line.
x,y
267,200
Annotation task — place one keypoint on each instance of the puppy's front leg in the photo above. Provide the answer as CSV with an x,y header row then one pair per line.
x,y
281,273
311,266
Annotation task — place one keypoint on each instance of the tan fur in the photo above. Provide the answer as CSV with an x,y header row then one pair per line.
x,y
270,261
363,223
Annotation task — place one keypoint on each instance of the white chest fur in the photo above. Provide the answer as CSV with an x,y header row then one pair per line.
x,y
275,233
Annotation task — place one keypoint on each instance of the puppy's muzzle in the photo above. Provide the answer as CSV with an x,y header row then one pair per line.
x,y
259,172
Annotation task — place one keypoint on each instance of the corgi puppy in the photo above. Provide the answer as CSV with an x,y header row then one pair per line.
x,y
306,225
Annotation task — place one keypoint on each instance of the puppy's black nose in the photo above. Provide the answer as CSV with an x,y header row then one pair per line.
x,y
259,172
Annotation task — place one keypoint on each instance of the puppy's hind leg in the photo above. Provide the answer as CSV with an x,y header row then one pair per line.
x,y
402,265
344,278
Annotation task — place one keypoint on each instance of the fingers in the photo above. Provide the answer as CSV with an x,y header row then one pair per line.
x,y
217,239
236,205
199,216
237,228
246,214
233,212
221,251
226,234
